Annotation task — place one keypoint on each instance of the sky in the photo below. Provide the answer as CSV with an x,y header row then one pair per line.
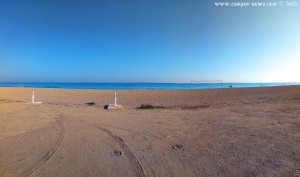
x,y
147,41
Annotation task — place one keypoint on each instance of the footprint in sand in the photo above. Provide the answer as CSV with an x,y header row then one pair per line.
x,y
116,153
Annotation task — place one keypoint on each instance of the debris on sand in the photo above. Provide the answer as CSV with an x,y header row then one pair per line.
x,y
177,146
90,103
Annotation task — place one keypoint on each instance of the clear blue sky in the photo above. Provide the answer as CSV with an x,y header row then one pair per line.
x,y
147,41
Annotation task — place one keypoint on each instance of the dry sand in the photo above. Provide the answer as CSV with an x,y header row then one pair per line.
x,y
216,132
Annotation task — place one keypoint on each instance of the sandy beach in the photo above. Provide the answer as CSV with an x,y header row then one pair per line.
x,y
213,132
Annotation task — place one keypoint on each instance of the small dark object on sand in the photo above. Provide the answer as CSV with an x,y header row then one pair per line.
x,y
177,146
90,103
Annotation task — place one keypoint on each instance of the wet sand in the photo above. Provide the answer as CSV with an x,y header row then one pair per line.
x,y
214,132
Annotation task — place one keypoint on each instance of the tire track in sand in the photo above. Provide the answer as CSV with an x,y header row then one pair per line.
x,y
134,162
30,170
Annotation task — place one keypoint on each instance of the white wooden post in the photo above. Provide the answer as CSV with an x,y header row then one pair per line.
x,y
115,104
32,98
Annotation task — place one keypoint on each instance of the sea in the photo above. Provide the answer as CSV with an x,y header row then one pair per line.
x,y
142,86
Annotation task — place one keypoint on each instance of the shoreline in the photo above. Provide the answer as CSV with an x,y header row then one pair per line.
x,y
146,86
145,89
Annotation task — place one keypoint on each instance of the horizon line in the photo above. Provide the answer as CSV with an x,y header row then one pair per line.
x,y
138,82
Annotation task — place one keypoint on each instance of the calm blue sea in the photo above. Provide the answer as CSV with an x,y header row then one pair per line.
x,y
142,86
